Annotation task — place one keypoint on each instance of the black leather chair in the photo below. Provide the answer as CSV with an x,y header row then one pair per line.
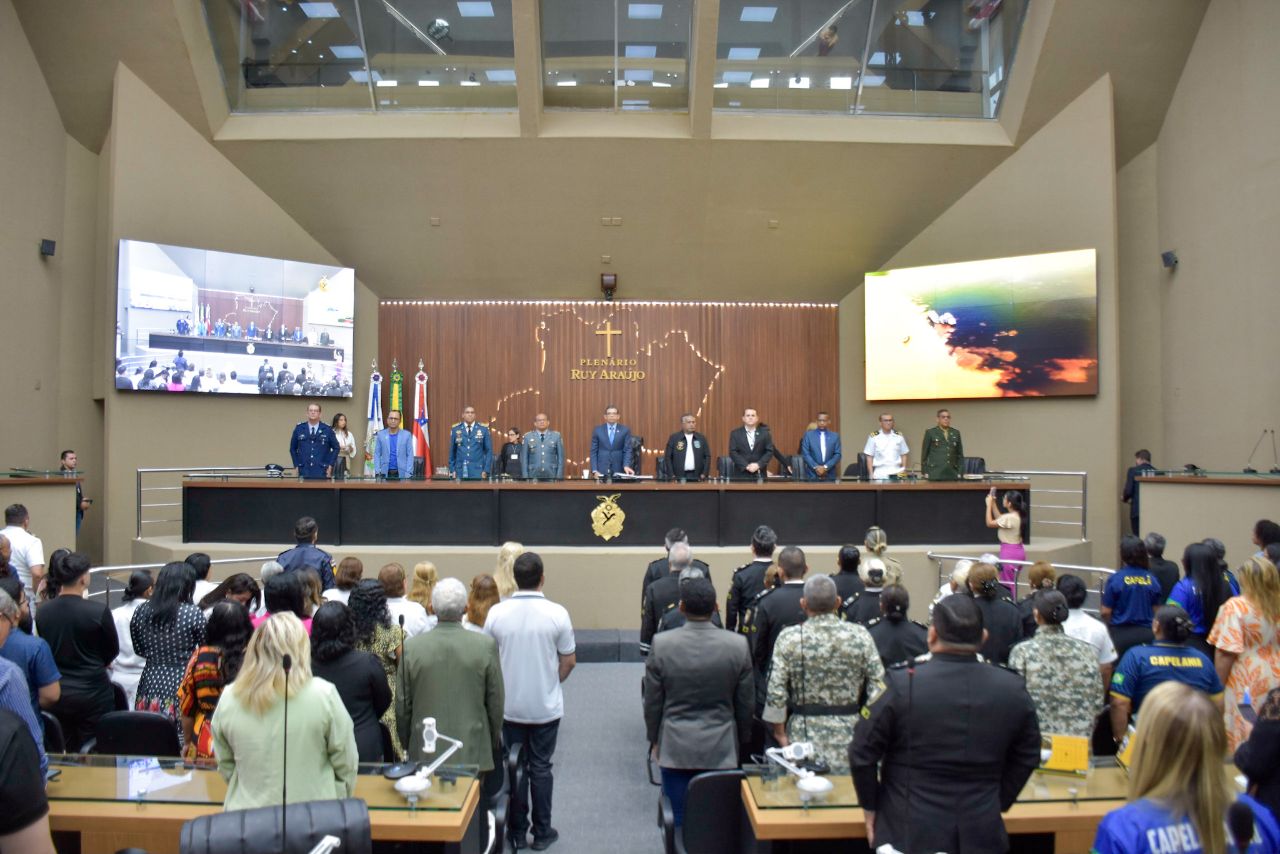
x,y
119,699
858,469
795,466
714,803
662,471
724,467
135,734
54,741
973,465
258,831
637,453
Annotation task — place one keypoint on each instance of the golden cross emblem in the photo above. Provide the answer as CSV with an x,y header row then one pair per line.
x,y
608,332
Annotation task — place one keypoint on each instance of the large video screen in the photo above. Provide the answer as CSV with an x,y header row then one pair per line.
x,y
1006,327
195,320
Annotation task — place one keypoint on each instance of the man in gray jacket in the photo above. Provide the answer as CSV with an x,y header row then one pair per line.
x,y
542,452
698,695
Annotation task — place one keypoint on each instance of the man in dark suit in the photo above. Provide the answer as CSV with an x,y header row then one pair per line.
x,y
659,568
820,449
748,580
779,608
697,695
958,739
688,457
750,448
610,450
663,594
1141,466
1165,571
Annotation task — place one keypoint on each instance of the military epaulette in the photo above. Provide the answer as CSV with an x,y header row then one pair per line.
x,y
874,622
872,434
921,625
455,424
759,597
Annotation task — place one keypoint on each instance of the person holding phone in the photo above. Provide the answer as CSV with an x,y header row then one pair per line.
x,y
1012,527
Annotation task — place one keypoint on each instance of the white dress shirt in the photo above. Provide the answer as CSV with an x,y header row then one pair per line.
x,y
886,451
416,618
689,464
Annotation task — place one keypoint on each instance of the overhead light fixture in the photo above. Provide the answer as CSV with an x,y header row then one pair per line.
x,y
744,54
428,82
346,51
658,85
719,85
638,75
915,19
798,83
635,105
841,82
319,10
362,76
469,83
644,11
481,9
501,75
873,80
740,78
641,51
566,82
387,83
758,14
760,83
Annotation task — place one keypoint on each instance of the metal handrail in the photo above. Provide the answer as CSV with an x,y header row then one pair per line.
x,y
1083,492
129,567
174,470
938,556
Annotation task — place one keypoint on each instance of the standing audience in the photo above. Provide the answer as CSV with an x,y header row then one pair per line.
x,y
26,551
1060,672
1087,627
166,629
1259,757
999,616
349,573
376,633
31,654
897,639
1165,571
284,593
1130,597
876,542
213,666
482,596
201,563
356,674
1040,576
24,824
1008,515
424,578
248,728
239,587
537,652
82,635
504,571
1246,636
13,684
416,618
1202,592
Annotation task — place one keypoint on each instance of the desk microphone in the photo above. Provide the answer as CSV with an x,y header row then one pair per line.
x,y
1248,466
287,664
1240,825
401,644
1275,459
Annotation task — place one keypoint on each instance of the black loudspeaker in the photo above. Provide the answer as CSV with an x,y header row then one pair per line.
x,y
1169,260
47,247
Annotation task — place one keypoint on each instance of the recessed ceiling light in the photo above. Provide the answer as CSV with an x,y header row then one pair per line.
x,y
362,76
736,77
644,11
346,51
388,83
873,80
501,75
469,83
914,19
566,82
744,54
428,82
642,75
641,51
719,85
841,82
760,83
658,85
635,105
758,14
483,9
877,58
319,10
797,82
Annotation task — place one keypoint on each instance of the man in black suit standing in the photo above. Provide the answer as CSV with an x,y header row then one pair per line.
x,y
688,458
1141,466
751,448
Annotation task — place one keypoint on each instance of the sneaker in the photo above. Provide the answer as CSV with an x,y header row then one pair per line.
x,y
517,840
545,842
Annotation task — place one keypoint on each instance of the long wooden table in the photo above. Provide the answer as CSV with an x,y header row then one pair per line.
x,y
1069,808
105,807
367,512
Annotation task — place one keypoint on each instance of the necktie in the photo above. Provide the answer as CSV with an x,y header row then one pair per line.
x,y
822,444
611,431
313,431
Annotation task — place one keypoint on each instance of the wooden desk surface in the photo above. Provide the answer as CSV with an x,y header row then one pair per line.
x,y
592,486
1259,479
52,480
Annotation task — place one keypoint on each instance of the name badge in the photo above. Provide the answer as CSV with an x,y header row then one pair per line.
x,y
697,444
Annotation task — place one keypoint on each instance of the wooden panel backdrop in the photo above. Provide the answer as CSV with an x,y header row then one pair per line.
x,y
512,360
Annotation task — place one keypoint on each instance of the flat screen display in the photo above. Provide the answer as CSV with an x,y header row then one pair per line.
x,y
1006,327
205,322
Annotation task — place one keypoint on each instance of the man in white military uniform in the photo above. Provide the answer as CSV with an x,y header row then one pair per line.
x,y
886,450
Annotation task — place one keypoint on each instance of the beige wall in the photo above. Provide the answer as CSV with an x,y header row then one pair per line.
x,y
1219,209
1057,192
167,184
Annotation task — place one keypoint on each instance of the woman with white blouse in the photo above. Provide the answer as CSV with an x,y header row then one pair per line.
x,y
346,463
126,670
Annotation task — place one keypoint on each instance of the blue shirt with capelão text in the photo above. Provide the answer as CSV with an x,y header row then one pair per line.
x,y
1147,827
1132,594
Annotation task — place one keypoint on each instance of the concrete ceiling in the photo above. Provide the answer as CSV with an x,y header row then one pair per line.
x,y
521,216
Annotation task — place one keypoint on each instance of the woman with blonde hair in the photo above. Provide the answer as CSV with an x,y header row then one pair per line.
x,y
504,574
482,596
425,577
248,726
1244,636
1179,787
877,542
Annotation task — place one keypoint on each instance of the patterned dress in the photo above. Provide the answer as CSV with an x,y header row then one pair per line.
x,y
1062,678
1242,629
383,644
198,696
167,650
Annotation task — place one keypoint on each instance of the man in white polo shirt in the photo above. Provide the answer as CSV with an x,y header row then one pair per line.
x,y
27,556
536,648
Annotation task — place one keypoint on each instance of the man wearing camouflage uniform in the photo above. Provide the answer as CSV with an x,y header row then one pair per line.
x,y
1061,672
822,669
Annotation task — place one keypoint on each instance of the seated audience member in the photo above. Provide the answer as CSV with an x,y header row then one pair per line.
x,y
82,635
821,672
424,578
235,588
848,581
312,590
1165,571
201,563
1060,671
699,694
896,638
1246,637
958,582
1168,659
376,633
1179,787
454,676
356,674
504,572
31,654
284,593
269,569
999,615
248,730
14,696
482,596
416,619
1130,597
865,605
166,630
349,573
1086,627
1201,592
877,543
213,666
1040,576
1259,756
24,823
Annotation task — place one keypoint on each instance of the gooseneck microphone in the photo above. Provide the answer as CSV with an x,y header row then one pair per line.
x,y
1240,825
287,664
1248,466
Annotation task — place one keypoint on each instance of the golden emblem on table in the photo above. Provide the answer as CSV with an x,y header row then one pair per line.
x,y
607,517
